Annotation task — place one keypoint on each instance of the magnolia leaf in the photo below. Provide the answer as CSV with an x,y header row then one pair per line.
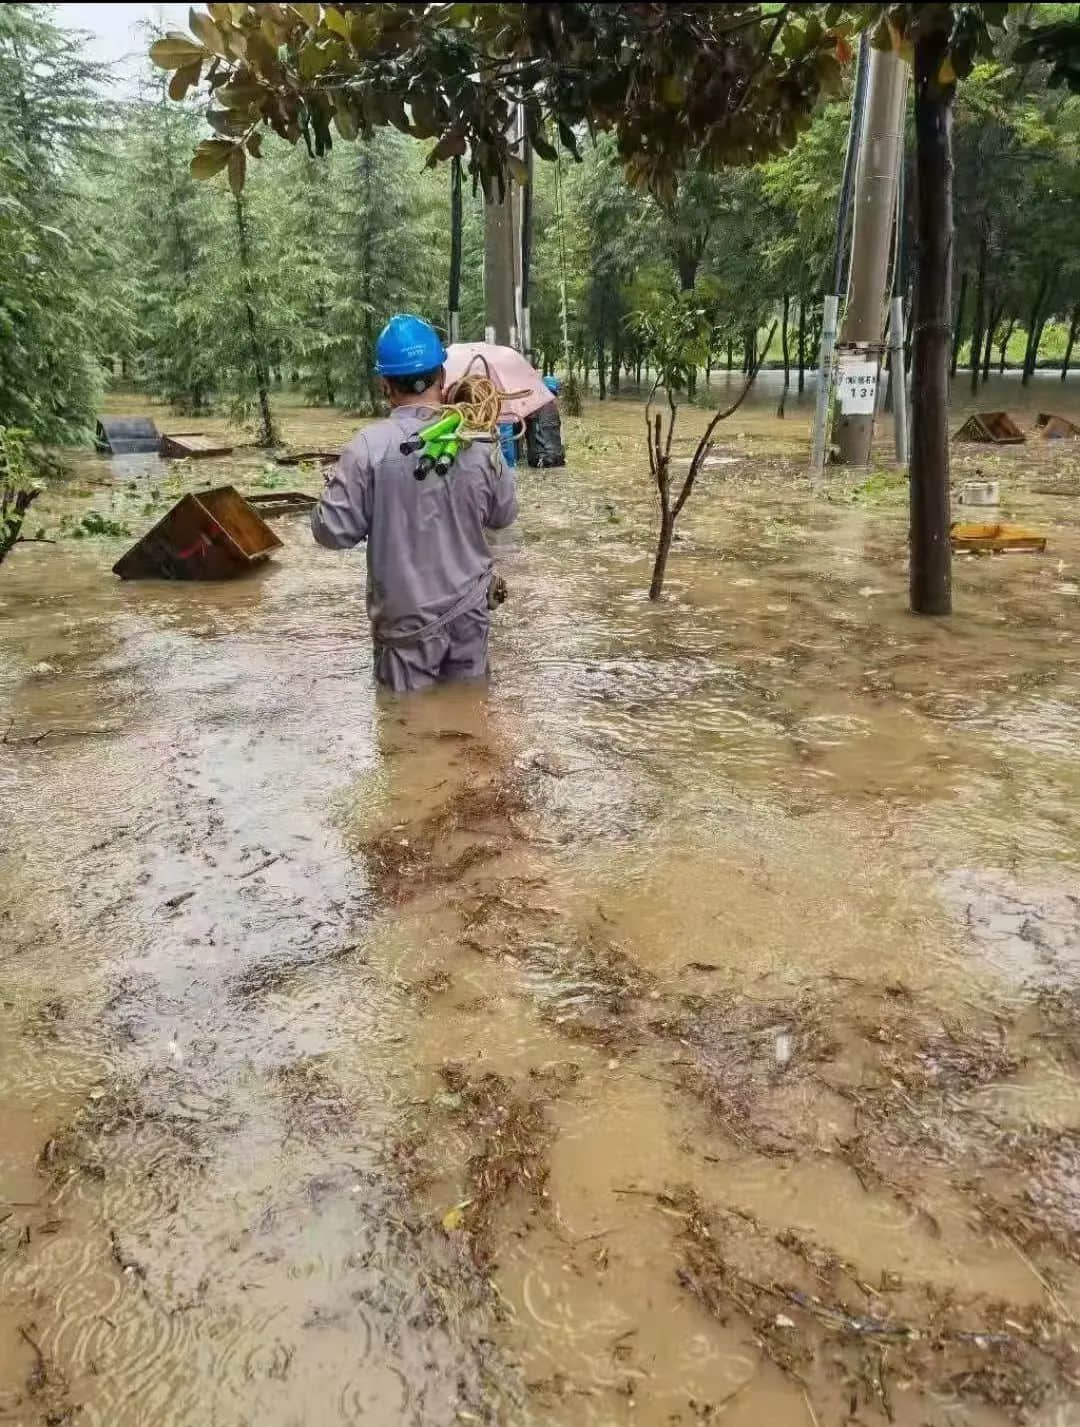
x,y
224,122
174,50
673,90
519,169
185,78
336,22
273,31
204,28
254,145
345,120
222,14
450,146
363,31
308,13
237,170
261,53
946,74
238,96
210,158
314,59
543,146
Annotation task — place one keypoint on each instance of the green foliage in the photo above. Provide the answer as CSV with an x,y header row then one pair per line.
x,y
49,328
730,83
675,335
94,523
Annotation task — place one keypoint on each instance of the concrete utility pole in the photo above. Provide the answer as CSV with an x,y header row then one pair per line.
x,y
500,322
880,156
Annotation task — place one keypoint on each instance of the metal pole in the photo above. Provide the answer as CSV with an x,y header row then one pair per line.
x,y
871,240
843,209
824,387
454,304
896,366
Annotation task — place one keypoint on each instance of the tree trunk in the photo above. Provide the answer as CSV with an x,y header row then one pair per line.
x,y
616,367
266,434
663,550
368,325
1034,330
1074,325
931,555
979,319
958,324
601,368
1004,347
996,312
802,345
730,355
687,264
784,344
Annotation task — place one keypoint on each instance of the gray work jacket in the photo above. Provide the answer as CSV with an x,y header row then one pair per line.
x,y
427,556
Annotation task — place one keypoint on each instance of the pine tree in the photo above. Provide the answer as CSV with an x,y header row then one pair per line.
x,y
50,119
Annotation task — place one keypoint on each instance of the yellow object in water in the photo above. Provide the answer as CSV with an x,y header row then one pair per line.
x,y
996,538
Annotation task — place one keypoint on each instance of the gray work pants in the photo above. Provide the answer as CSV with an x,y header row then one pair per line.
x,y
456,651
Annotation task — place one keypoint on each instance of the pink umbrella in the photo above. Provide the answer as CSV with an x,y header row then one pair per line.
x,y
508,369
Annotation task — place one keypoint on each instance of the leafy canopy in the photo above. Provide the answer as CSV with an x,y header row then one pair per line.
x,y
730,84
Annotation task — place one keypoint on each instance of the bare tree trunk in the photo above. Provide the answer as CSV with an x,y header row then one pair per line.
x,y
601,368
13,507
663,550
958,324
1074,325
996,312
266,435
931,554
730,355
784,345
979,319
1034,330
1004,346
802,345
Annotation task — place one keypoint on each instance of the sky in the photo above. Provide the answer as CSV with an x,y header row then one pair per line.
x,y
115,35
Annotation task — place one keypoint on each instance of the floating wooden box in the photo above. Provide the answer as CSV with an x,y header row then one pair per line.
x,y
178,444
294,458
208,535
271,503
996,538
995,426
1056,428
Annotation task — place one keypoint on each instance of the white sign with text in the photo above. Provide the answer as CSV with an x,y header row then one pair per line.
x,y
857,382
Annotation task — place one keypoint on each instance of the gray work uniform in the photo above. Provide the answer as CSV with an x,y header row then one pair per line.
x,y
429,564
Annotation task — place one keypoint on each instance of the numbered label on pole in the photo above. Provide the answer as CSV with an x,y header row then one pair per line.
x,y
857,382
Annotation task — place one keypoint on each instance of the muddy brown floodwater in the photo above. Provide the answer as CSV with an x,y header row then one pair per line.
x,y
685,1028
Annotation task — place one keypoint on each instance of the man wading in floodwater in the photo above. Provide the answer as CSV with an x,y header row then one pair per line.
x,y
429,565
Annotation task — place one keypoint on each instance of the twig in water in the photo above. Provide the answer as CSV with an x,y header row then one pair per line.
x,y
1051,1294
179,899
810,1408
40,1373
269,862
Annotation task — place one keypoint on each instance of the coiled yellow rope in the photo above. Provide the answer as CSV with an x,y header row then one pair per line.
x,y
478,400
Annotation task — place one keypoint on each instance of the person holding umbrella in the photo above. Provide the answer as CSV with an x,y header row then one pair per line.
x,y
429,565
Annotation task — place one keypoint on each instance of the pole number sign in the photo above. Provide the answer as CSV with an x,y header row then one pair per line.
x,y
858,387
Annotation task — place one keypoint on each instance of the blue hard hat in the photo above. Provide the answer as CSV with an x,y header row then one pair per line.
x,y
408,345
552,384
